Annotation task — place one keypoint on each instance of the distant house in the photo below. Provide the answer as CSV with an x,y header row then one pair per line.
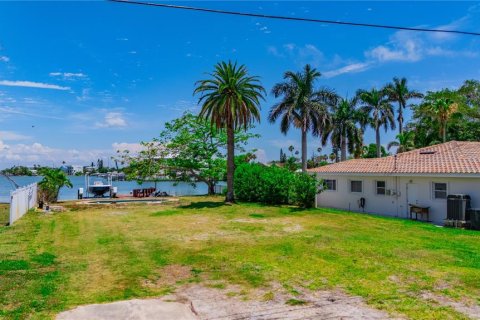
x,y
77,169
68,169
389,185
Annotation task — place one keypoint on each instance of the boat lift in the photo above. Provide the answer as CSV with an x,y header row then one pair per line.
x,y
97,188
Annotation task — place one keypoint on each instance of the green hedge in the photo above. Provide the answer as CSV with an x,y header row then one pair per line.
x,y
274,185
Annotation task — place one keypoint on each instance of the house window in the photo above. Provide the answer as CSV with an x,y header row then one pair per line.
x,y
439,190
330,184
355,186
380,187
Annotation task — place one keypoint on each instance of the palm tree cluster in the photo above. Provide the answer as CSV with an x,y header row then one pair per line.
x,y
230,99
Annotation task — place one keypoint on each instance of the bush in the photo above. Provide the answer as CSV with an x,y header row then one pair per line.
x,y
257,183
274,185
305,189
49,186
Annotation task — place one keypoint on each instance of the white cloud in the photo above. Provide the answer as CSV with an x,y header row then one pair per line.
x,y
351,68
68,75
12,136
403,46
301,55
131,147
122,39
4,59
112,120
31,84
37,153
10,110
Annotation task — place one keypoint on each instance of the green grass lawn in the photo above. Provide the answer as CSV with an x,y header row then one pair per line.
x,y
49,263
4,214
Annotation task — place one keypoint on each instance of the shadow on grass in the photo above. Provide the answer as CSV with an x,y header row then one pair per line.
x,y
203,204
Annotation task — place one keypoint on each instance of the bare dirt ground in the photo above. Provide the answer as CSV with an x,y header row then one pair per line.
x,y
471,310
231,304
206,303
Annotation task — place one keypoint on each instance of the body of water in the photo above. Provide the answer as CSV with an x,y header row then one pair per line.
x,y
123,187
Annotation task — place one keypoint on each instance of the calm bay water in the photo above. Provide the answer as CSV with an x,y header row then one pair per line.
x,y
124,187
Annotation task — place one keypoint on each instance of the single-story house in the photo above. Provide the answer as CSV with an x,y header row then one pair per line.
x,y
389,185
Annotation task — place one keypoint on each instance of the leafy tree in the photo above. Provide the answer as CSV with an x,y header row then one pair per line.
x,y
441,106
375,104
146,165
291,164
343,130
399,92
370,151
230,99
53,180
302,105
187,148
199,151
17,171
462,121
405,142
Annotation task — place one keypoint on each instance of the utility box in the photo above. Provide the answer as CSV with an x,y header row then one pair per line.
x,y
474,218
458,206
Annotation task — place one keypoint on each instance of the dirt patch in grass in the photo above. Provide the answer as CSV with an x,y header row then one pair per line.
x,y
471,309
233,303
169,276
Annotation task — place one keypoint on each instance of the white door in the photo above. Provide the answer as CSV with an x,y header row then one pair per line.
x,y
412,195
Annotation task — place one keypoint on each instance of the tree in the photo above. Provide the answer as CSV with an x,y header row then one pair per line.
x,y
230,99
199,151
441,106
399,92
53,180
405,142
370,151
302,105
375,104
342,130
147,164
283,156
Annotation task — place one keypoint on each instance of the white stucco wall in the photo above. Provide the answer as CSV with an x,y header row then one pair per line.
x,y
396,205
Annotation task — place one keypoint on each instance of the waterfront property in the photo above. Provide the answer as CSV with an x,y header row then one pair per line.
x,y
422,178
96,254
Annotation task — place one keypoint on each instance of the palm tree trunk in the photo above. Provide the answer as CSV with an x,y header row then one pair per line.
x,y
304,149
400,118
343,148
377,140
444,132
230,163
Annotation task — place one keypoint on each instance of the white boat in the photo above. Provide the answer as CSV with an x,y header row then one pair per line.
x,y
100,186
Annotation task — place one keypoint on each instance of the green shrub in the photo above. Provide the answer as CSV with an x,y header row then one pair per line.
x,y
305,189
274,185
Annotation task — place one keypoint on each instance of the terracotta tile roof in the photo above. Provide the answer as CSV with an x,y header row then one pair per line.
x,y
454,157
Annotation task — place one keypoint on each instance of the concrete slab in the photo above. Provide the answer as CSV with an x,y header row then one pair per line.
x,y
150,309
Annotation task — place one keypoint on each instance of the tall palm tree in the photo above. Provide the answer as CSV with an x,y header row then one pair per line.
x,y
399,92
342,129
302,105
380,114
230,99
405,142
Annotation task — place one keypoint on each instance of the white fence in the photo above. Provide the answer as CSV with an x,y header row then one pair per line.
x,y
22,200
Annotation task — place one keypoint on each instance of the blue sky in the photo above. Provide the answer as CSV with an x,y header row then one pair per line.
x,y
79,80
